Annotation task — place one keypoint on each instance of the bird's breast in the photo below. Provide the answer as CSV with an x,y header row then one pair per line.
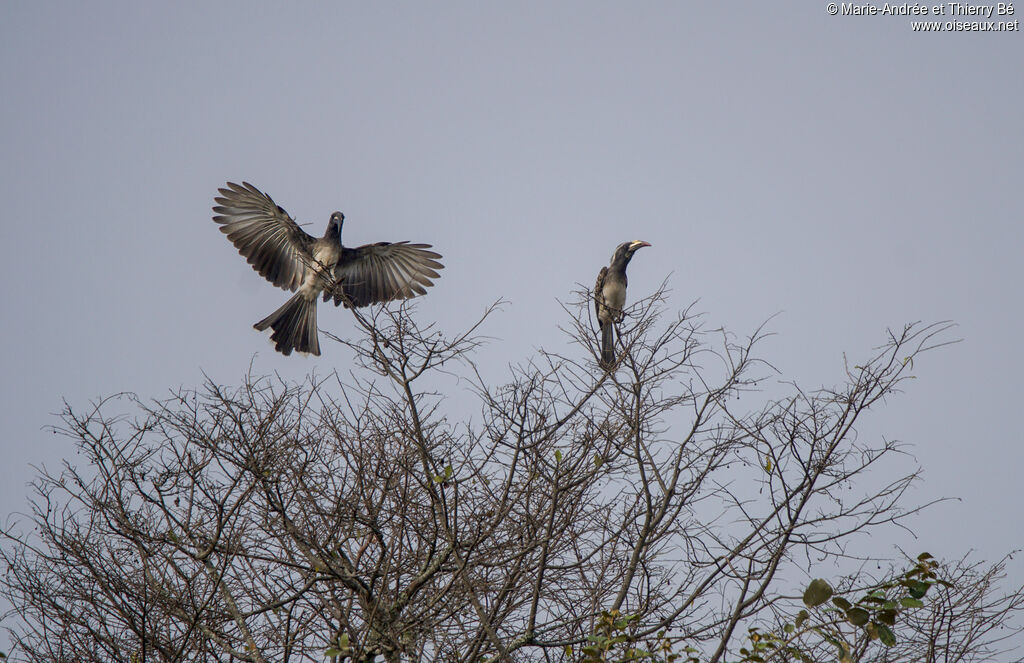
x,y
326,254
320,271
614,293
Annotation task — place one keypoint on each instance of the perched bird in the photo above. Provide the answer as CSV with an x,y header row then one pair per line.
x,y
610,297
288,257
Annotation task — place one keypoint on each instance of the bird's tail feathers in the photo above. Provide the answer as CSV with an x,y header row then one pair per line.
x,y
607,345
294,326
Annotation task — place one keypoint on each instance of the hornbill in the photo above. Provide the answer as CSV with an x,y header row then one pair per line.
x,y
610,297
288,257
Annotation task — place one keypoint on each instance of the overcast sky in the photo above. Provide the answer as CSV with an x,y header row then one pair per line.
x,y
845,171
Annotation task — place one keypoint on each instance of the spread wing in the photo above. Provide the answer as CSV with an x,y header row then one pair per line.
x,y
599,292
383,271
270,240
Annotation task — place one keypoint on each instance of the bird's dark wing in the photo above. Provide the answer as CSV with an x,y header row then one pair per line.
x,y
599,292
383,271
270,240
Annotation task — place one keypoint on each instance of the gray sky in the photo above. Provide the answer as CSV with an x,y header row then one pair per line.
x,y
846,171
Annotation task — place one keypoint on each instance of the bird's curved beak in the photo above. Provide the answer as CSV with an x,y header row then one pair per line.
x,y
637,244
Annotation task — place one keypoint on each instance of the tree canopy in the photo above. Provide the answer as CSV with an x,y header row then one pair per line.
x,y
571,514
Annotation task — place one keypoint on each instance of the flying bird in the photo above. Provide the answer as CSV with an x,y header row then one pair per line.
x,y
610,297
288,257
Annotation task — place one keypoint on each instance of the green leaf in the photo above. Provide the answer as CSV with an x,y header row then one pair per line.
x,y
908,602
885,635
558,455
448,471
817,593
917,588
923,556
788,628
598,461
858,616
801,617
332,651
768,464
841,603
886,617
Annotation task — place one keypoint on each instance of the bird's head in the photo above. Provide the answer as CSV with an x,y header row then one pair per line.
x,y
334,225
626,250
636,244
